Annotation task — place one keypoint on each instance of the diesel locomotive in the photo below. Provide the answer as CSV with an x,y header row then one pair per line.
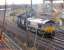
x,y
45,28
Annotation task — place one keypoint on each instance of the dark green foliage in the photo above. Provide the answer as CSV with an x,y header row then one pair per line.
x,y
62,19
12,14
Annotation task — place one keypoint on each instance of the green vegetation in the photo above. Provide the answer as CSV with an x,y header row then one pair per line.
x,y
62,19
20,11
13,14
61,27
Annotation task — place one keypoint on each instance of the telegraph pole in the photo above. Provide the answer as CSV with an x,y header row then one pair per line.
x,y
29,40
31,4
63,4
3,25
43,5
13,9
3,29
31,8
51,1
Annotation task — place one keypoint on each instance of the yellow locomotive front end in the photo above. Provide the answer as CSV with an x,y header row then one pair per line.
x,y
49,29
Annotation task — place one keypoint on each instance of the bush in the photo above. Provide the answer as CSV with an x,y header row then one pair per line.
x,y
62,19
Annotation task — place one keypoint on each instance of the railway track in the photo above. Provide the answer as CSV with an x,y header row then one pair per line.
x,y
57,42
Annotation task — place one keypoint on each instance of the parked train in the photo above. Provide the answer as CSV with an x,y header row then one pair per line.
x,y
45,28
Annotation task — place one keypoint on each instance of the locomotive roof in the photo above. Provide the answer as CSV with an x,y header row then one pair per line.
x,y
24,15
50,21
37,20
21,15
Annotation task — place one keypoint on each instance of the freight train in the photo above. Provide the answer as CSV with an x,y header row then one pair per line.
x,y
45,28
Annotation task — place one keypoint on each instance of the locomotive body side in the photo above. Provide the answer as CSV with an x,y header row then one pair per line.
x,y
43,27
